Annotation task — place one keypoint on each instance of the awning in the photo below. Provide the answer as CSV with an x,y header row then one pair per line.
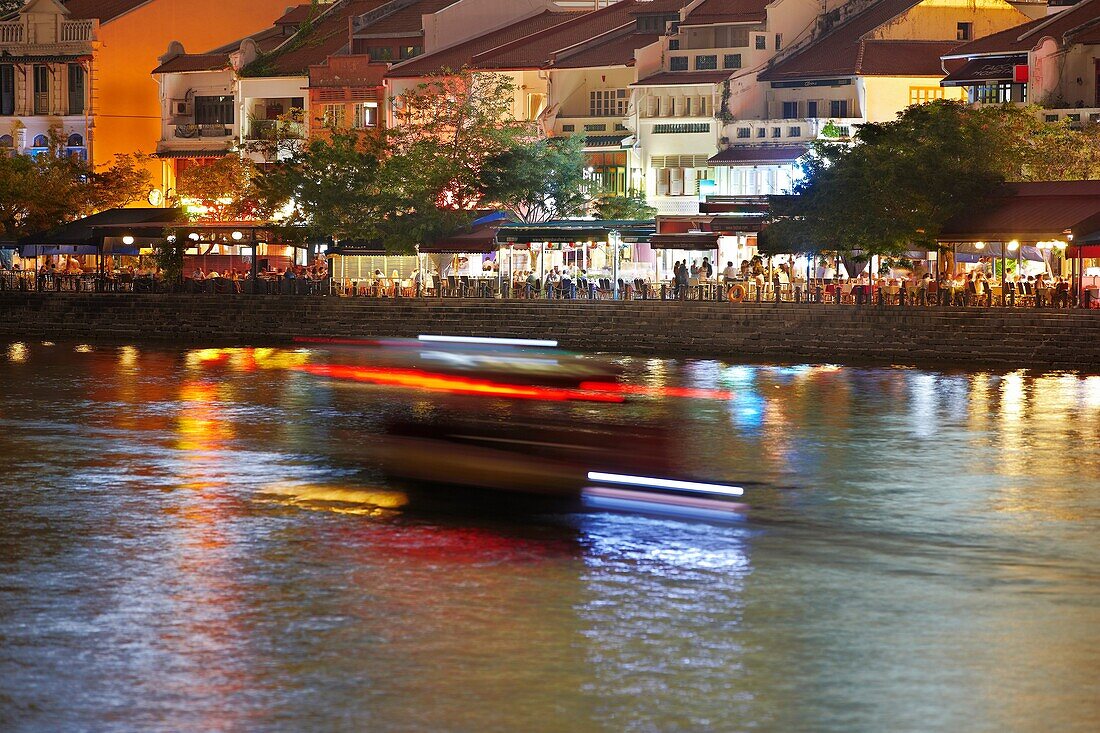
x,y
759,155
984,71
191,153
604,141
575,230
688,241
1088,252
481,240
357,248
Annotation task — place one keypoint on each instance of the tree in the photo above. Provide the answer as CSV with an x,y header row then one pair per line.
x,y
539,180
124,182
8,7
449,127
42,192
221,190
334,187
632,207
900,182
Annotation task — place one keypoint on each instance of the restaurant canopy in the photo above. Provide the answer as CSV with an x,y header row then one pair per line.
x,y
1030,213
694,241
80,237
575,230
985,70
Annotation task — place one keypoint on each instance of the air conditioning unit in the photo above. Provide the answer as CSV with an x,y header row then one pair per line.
x,y
181,108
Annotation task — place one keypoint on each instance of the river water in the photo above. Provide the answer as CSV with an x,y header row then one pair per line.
x,y
188,543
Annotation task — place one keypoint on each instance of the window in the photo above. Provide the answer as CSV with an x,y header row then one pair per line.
x,y
731,61
75,140
993,93
811,108
777,132
728,36
790,110
964,31
40,141
674,44
607,103
7,89
706,63
76,89
41,90
332,115
366,115
568,128
920,95
761,43
408,52
595,128
838,108
743,132
686,127
380,53
214,110
762,132
778,41
678,63
6,141
794,132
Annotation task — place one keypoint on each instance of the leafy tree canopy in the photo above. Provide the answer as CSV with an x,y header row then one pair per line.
x,y
221,190
43,192
899,182
539,180
632,207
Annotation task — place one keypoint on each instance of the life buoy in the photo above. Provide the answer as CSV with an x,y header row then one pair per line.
x,y
736,294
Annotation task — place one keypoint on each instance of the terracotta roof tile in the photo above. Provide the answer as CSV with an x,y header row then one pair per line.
x,y
1077,23
105,10
328,35
459,55
745,154
616,50
536,50
672,78
407,20
846,50
728,11
194,62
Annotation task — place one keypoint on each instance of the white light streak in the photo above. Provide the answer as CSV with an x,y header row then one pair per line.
x,y
487,340
664,483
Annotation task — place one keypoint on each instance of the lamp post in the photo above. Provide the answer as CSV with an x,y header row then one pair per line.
x,y
613,238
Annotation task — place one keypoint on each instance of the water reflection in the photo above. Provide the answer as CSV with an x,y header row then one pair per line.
x,y
194,539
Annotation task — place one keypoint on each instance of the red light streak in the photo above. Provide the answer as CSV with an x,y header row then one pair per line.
x,y
638,389
435,382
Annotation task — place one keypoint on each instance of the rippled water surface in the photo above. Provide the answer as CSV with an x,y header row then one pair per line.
x,y
191,543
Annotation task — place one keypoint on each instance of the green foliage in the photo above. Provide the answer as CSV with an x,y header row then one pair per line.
x,y
632,207
900,182
539,180
335,187
221,190
40,193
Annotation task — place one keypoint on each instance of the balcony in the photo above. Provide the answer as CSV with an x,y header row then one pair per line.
x,y
274,130
1076,118
191,131
797,130
12,32
17,32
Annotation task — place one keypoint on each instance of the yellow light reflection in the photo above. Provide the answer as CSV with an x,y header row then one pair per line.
x,y
127,356
17,352
338,499
83,349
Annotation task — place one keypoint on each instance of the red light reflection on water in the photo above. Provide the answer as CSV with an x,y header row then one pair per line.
x,y
641,389
436,382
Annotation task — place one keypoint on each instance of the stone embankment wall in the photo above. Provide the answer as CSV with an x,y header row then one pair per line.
x,y
1045,339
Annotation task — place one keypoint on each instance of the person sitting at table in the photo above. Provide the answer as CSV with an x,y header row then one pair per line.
x,y
1060,298
213,275
531,282
729,274
553,279
705,269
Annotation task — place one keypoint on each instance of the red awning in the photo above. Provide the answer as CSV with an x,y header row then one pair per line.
x,y
1088,252
689,241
